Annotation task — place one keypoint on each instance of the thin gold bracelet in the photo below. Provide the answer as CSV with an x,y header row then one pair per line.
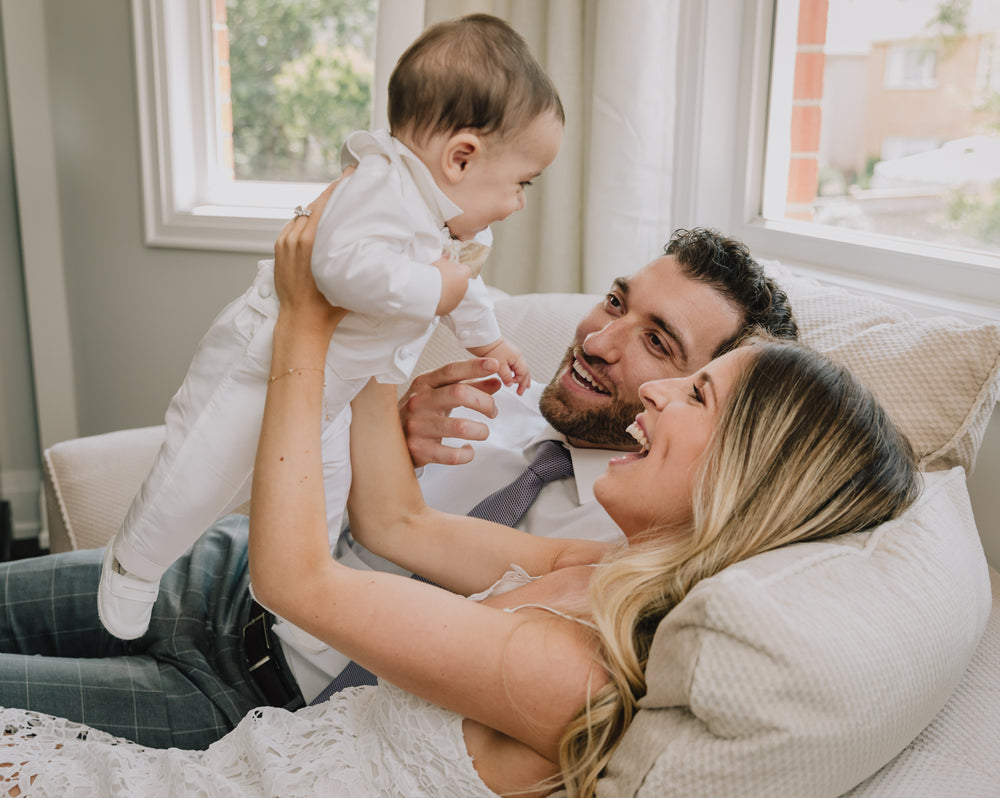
x,y
292,371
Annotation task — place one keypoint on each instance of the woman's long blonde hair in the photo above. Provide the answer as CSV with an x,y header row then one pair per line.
x,y
802,451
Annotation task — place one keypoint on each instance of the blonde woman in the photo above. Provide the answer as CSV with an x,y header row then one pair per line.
x,y
528,687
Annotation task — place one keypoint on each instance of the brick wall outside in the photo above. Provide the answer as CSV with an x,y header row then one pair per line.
x,y
803,167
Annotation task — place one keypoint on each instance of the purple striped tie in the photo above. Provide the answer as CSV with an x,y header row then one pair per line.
x,y
508,504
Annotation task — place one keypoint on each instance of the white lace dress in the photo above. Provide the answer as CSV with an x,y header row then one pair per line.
x,y
365,742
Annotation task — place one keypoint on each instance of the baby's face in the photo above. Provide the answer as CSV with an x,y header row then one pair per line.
x,y
494,186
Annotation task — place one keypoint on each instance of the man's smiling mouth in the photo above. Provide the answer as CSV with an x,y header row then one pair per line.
x,y
583,377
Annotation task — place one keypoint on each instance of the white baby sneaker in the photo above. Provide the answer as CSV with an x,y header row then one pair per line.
x,y
124,601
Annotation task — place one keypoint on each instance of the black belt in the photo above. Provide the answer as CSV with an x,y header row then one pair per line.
x,y
263,658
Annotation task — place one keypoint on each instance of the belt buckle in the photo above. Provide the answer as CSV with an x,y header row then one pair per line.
x,y
255,636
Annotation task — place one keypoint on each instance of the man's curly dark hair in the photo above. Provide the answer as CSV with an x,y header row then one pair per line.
x,y
726,264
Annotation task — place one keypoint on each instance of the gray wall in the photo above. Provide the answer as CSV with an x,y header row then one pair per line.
x,y
136,313
19,455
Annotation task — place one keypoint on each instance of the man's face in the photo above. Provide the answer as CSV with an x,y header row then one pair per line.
x,y
657,323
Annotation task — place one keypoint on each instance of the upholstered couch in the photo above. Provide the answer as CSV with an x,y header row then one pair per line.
x,y
867,665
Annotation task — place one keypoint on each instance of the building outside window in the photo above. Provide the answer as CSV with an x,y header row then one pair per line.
x,y
909,66
887,123
243,106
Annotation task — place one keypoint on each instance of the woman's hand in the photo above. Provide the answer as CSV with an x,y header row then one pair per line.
x,y
288,532
300,298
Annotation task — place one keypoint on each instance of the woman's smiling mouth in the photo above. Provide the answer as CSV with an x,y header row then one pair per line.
x,y
636,431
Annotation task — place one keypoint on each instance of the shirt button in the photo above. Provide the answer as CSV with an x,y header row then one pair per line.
x,y
264,291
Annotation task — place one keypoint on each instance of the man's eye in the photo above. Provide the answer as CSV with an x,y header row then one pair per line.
x,y
613,301
656,343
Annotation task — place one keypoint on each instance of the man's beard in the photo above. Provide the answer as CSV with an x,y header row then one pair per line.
x,y
601,427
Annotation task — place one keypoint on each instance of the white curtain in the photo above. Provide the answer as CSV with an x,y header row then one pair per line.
x,y
603,208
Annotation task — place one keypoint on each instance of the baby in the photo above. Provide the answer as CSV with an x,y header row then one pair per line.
x,y
474,119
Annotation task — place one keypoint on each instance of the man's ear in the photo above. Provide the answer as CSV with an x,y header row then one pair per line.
x,y
459,152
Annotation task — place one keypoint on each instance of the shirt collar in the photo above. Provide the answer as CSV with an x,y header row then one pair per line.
x,y
588,464
437,201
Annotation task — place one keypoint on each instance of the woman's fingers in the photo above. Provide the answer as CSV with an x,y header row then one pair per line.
x,y
300,230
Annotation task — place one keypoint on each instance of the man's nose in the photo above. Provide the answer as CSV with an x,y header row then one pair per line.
x,y
605,343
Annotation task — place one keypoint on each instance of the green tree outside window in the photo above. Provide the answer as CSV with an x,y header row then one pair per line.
x,y
301,80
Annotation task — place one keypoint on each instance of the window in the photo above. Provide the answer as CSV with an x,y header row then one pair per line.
x,y
988,82
910,66
886,185
243,105
292,80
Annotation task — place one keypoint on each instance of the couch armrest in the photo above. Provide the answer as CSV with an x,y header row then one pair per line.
x,y
90,482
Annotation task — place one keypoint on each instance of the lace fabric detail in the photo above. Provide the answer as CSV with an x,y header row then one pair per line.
x,y
515,576
365,742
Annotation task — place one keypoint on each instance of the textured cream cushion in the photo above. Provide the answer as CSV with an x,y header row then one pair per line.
x,y
936,376
959,752
802,671
90,482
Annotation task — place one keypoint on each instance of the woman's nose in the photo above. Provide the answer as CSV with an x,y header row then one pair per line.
x,y
657,393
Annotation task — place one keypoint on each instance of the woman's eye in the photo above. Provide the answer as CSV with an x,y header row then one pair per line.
x,y
697,394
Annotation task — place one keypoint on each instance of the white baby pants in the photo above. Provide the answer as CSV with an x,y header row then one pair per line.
x,y
204,467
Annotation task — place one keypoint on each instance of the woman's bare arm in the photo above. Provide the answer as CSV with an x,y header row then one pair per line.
x,y
513,672
389,516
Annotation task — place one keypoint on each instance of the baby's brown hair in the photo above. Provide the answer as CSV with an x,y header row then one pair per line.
x,y
473,72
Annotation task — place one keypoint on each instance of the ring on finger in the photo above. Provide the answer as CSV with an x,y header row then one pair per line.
x,y
300,211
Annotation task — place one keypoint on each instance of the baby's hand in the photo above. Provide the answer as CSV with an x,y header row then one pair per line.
x,y
454,283
513,366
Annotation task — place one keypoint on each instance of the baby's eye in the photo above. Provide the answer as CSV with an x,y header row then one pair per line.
x,y
525,183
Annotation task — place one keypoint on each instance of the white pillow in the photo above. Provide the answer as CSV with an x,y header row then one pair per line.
x,y
803,670
957,753
937,377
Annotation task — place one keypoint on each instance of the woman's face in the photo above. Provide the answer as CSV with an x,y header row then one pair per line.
x,y
653,487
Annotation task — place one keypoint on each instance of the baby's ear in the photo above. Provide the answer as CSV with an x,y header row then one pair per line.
x,y
459,152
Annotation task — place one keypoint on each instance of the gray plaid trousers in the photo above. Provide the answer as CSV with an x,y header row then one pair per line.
x,y
184,683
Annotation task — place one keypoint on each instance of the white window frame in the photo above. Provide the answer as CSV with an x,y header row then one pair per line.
x,y
186,201
720,182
